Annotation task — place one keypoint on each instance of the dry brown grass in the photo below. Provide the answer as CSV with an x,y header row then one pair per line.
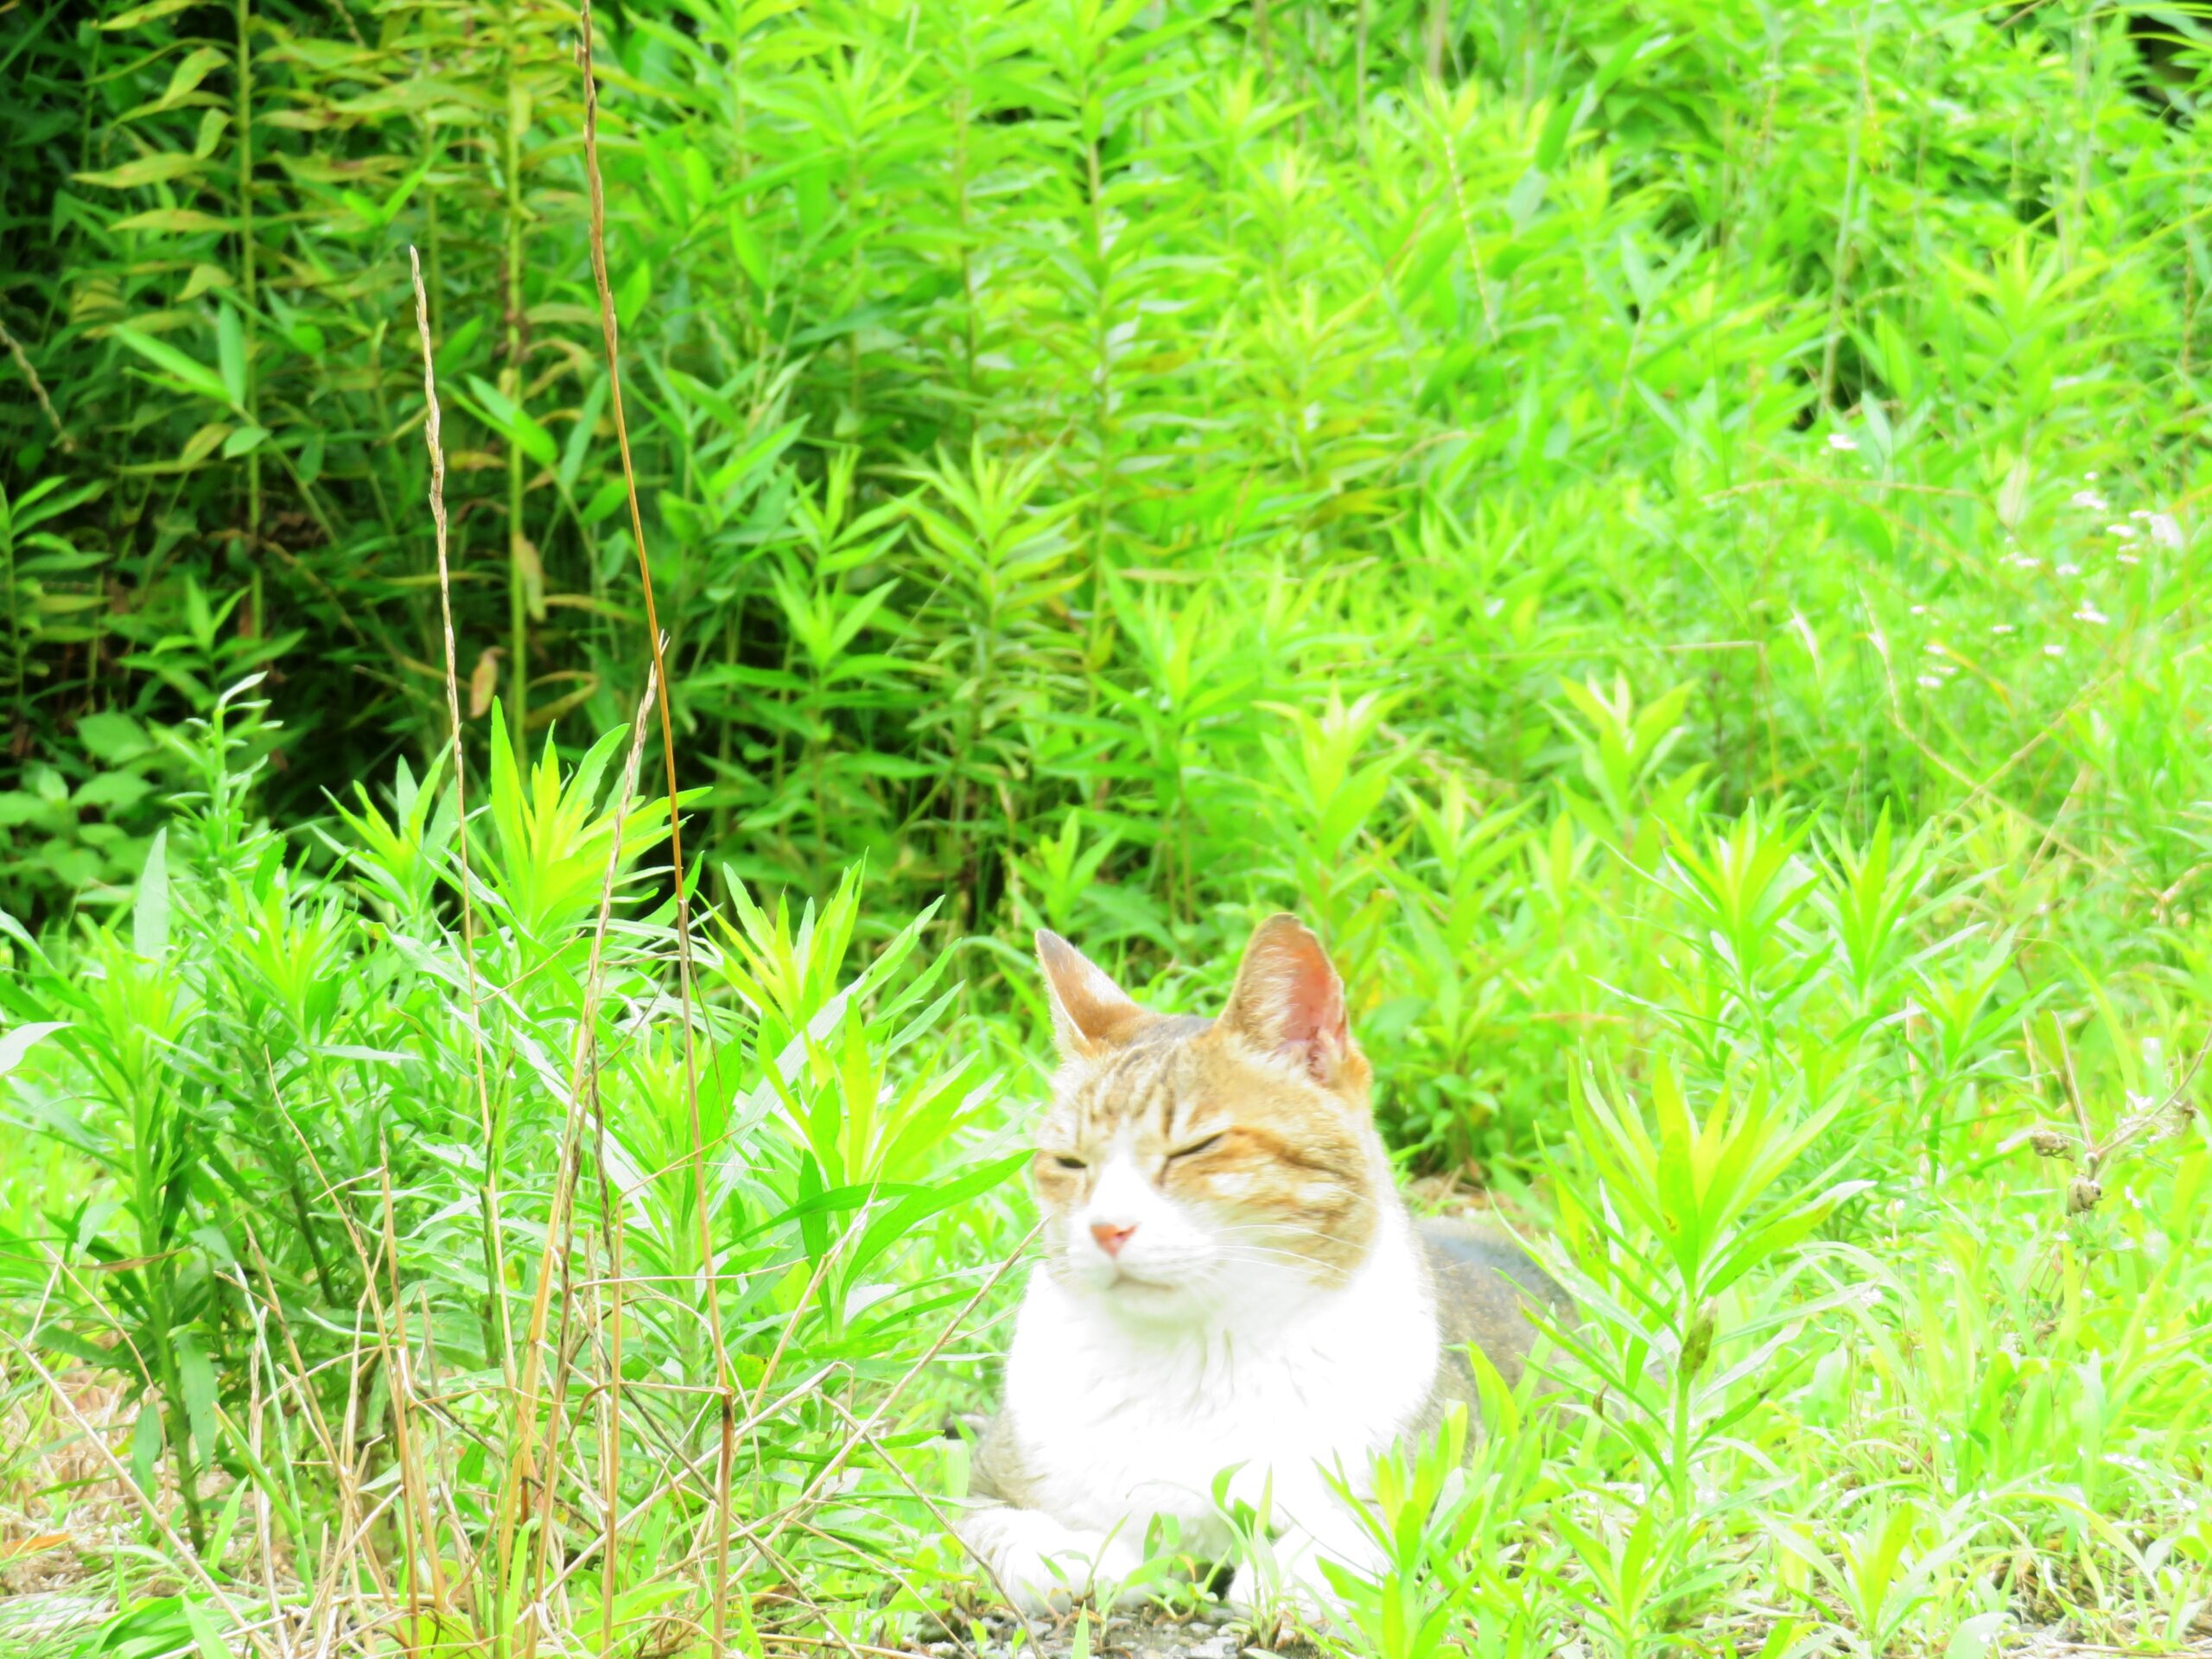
x,y
63,1512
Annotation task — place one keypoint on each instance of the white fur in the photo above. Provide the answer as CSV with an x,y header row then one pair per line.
x,y
1135,1380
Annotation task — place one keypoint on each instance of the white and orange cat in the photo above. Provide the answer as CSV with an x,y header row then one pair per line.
x,y
1230,1280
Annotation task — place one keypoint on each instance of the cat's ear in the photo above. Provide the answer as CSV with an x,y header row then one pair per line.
x,y
1289,1001
1089,1011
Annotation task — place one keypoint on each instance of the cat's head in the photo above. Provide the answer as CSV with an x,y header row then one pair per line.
x,y
1190,1166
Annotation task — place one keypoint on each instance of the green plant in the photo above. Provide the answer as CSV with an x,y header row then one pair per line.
x,y
1674,534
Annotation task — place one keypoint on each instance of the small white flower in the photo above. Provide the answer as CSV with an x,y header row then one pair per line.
x,y
2163,530
2090,613
2127,558
1842,440
1931,682
2088,478
2090,501
1920,610
2022,561
2069,569
2126,532
2053,651
2003,627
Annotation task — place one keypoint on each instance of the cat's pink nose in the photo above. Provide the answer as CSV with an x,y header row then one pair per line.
x,y
1111,1238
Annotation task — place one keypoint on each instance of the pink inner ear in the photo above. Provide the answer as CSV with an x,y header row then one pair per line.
x,y
1314,1010
1288,1001
1309,1015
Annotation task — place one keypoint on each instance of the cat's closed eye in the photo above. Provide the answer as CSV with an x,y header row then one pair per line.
x,y
1198,1147
1069,1161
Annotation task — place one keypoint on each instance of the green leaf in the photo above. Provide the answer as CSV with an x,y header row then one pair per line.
x,y
196,1377
211,124
146,1444
149,12
604,500
160,169
204,1635
761,452
580,434
197,447
452,351
195,375
18,1040
150,913
184,80
45,500
514,423
183,220
113,788
636,290
745,245
68,604
230,354
205,279
244,441
1974,1635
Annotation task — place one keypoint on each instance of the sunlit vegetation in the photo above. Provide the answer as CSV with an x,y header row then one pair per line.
x,y
1670,534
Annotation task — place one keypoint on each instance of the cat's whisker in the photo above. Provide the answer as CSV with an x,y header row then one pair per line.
x,y
1262,1252
1290,1230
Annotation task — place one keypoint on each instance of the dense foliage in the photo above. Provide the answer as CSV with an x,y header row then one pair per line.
x,y
1671,533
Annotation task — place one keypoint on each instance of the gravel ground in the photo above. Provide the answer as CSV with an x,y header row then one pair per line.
x,y
50,1625
1210,1634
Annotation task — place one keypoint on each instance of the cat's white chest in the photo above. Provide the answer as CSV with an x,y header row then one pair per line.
x,y
1118,1425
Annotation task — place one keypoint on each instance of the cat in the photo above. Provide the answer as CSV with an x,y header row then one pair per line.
x,y
1228,1279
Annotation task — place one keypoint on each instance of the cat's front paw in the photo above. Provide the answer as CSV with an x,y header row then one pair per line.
x,y
1034,1593
1044,1568
1053,1581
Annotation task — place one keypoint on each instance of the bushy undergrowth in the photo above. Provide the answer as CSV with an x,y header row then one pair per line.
x,y
352,1225
1670,534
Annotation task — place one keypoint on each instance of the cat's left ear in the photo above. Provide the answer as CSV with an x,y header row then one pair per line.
x,y
1089,1011
1289,1001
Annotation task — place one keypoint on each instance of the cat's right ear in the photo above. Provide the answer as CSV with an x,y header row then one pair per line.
x,y
1089,1011
1289,1001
